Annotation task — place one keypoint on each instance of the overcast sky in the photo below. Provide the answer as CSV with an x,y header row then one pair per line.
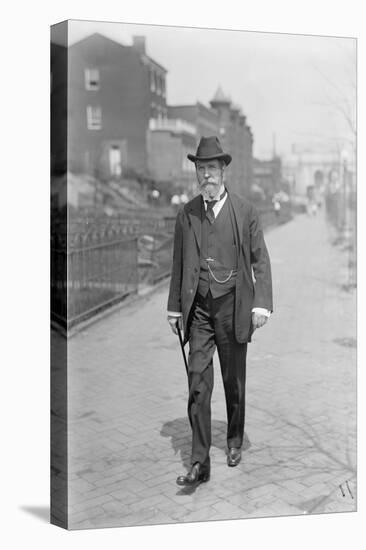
x,y
293,86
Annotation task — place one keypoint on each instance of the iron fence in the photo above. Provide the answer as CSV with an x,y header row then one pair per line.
x,y
96,263
90,277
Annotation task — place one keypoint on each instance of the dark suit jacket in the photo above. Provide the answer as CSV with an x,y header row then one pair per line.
x,y
252,254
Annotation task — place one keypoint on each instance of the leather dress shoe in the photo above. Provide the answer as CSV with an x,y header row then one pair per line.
x,y
234,456
197,474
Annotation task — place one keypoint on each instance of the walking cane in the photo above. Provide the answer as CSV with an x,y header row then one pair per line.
x,y
182,347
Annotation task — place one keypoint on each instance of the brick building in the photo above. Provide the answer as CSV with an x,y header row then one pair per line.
x,y
227,121
114,92
236,137
169,142
203,118
119,123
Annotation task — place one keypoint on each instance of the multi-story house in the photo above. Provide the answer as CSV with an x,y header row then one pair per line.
x,y
236,137
119,123
203,118
227,121
114,92
171,140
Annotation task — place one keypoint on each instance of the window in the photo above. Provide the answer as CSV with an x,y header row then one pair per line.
x,y
92,79
94,117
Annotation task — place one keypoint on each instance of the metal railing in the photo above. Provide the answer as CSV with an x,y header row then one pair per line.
x,y
90,277
97,263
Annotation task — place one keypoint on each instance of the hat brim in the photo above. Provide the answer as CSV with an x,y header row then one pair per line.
x,y
221,156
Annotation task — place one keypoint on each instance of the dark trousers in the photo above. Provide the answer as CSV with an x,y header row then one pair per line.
x,y
212,325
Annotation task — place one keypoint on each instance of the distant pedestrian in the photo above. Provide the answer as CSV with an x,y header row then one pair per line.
x,y
175,202
183,198
312,207
218,241
277,207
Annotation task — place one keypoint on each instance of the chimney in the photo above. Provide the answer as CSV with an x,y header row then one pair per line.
x,y
139,44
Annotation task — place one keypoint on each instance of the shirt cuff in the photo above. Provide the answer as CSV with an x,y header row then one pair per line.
x,y
174,314
261,311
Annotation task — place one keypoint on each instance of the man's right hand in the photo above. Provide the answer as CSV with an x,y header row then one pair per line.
x,y
175,323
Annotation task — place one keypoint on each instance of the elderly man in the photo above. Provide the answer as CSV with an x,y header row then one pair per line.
x,y
213,296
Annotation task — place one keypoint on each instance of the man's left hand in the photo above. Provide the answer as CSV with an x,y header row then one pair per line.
x,y
258,320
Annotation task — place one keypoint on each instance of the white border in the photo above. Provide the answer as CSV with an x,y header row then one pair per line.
x,y
25,271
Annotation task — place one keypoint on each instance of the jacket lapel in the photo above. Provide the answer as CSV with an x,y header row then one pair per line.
x,y
194,215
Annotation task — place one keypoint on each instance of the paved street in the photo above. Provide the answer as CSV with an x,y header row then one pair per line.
x,y
129,434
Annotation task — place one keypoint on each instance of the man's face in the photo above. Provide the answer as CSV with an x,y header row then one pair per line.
x,y
209,177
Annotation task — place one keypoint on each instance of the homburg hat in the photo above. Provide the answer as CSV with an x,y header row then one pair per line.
x,y
209,148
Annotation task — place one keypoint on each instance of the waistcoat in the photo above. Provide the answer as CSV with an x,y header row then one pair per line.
x,y
218,246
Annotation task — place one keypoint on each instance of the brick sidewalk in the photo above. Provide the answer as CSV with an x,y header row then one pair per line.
x,y
129,434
